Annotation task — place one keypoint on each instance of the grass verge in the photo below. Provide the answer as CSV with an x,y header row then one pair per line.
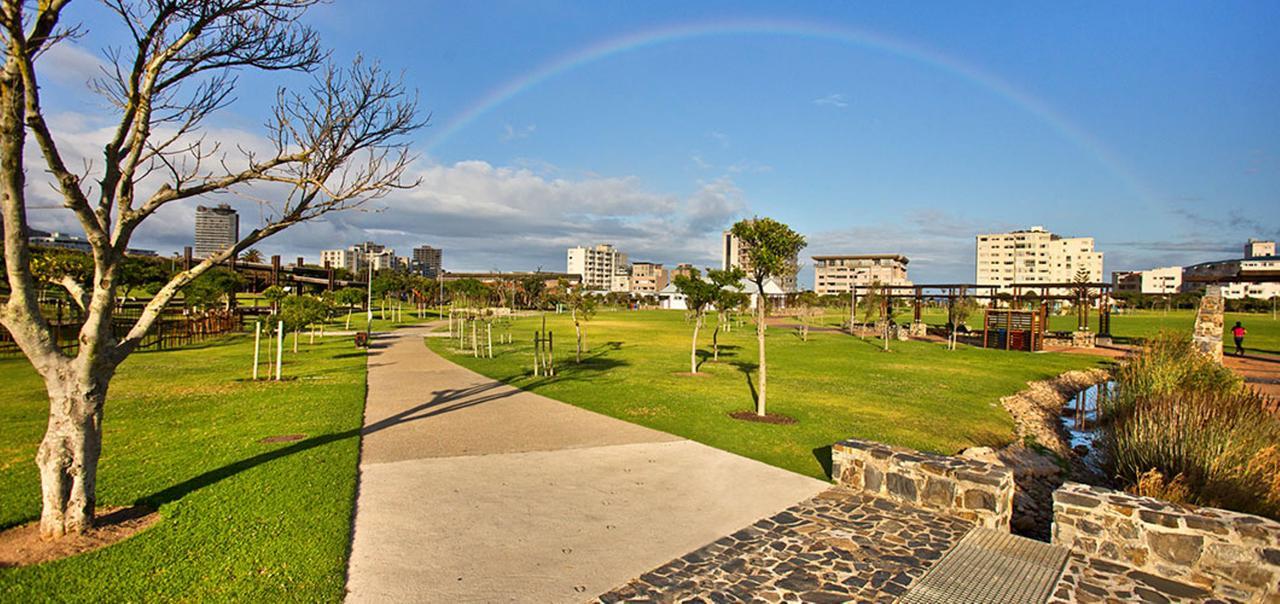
x,y
917,395
241,520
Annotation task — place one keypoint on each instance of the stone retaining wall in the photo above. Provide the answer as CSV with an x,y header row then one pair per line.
x,y
1232,554
966,488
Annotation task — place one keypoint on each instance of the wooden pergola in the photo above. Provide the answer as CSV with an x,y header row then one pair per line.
x,y
1081,295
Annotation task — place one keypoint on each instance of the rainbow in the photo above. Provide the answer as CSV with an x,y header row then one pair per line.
x,y
860,38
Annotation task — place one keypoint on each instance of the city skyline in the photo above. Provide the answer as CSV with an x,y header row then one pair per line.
x,y
1148,128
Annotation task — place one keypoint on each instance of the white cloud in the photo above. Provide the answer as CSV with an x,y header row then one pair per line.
x,y
485,216
511,133
832,100
70,64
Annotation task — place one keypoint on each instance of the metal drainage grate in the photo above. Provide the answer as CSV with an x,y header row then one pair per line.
x,y
991,566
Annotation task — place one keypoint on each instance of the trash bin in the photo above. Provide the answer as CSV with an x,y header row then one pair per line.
x,y
362,339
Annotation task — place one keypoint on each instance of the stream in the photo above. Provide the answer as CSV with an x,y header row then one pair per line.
x,y
1080,421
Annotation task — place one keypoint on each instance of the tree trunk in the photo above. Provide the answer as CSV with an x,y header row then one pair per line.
x,y
68,455
715,342
693,349
763,377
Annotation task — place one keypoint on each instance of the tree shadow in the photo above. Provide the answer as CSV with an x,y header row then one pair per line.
x,y
441,402
746,367
823,455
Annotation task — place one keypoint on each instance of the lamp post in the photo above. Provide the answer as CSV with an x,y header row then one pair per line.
x,y
368,305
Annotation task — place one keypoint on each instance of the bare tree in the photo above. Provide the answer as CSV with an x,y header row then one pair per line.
x,y
335,145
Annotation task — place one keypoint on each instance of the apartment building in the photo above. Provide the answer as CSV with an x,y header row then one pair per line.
x,y
1164,280
1034,256
839,273
357,258
427,261
682,269
736,253
1257,248
647,278
217,228
597,265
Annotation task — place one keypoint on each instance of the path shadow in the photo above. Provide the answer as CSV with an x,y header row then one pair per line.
x,y
823,455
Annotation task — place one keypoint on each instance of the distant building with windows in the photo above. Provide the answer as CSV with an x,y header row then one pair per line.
x,y
837,274
427,261
647,278
1035,256
357,258
39,238
1164,280
737,253
1257,275
597,265
217,228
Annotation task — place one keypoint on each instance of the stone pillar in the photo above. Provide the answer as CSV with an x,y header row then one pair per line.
x,y
1207,336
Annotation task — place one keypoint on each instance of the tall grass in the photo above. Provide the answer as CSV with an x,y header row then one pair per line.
x,y
1183,427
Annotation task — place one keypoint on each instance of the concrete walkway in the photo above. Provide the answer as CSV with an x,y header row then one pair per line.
x,y
474,491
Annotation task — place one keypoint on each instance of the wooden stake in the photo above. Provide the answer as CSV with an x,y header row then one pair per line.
x,y
279,347
257,347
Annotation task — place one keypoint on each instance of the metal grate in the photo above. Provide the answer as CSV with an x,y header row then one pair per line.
x,y
991,566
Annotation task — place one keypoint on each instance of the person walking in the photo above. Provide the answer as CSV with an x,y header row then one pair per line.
x,y
1238,332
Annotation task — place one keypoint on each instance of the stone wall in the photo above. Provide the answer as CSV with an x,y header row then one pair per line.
x,y
1232,554
966,488
1207,334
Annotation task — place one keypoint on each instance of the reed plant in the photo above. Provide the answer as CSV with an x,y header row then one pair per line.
x,y
1182,427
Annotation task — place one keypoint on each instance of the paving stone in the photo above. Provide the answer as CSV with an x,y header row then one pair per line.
x,y
839,546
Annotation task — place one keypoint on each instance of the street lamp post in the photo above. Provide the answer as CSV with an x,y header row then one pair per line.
x,y
368,305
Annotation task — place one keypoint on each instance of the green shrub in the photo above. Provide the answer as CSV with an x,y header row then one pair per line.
x,y
1183,423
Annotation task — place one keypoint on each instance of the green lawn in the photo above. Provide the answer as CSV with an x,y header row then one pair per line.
x,y
918,395
241,520
1264,332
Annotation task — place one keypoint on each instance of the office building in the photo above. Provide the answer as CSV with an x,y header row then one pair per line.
x,y
597,265
837,274
1034,256
217,228
427,261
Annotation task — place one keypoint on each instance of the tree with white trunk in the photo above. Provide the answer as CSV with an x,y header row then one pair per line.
x,y
334,146
771,249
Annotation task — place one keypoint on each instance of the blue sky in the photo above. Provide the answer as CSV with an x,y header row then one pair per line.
x,y
903,128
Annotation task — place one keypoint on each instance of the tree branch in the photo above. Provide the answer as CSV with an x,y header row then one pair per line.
x,y
77,291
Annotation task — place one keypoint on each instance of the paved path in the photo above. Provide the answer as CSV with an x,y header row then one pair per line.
x,y
471,490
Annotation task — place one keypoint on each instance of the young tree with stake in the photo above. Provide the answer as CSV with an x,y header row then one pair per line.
x,y
771,251
727,300
699,295
334,146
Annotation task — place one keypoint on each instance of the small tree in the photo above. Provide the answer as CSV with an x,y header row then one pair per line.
x,y
582,307
807,304
349,297
1080,287
960,311
699,295
771,249
274,295
213,287
727,300
871,304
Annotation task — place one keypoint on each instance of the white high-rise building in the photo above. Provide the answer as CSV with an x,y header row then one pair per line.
x,y
1034,256
597,265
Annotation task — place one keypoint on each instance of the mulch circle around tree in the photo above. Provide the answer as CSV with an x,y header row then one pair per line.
x,y
282,438
767,418
699,374
22,545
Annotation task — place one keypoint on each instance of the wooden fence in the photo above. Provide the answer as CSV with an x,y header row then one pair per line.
x,y
170,331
